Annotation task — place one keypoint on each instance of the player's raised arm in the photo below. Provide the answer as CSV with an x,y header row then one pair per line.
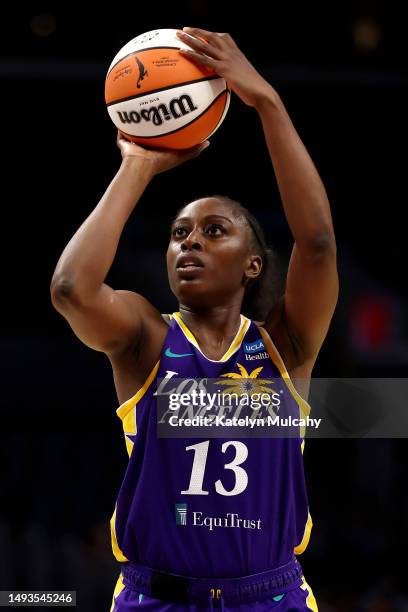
x,y
312,284
312,280
105,319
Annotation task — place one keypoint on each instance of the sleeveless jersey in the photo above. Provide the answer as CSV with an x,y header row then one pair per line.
x,y
245,510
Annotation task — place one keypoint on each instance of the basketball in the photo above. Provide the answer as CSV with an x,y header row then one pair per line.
x,y
159,98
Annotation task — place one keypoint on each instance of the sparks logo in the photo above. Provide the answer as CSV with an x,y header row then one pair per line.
x,y
246,382
181,514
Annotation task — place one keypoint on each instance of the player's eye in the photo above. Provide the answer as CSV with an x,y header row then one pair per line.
x,y
178,231
215,230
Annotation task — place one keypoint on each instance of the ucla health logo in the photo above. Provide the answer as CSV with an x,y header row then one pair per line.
x,y
255,350
181,514
254,347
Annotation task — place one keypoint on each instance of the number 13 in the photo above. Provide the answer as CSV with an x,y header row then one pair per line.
x,y
200,459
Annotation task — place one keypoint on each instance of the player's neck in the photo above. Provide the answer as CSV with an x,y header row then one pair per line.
x,y
214,326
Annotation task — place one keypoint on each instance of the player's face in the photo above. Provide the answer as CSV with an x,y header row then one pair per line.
x,y
208,258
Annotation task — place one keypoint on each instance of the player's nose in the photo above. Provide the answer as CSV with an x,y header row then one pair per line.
x,y
192,241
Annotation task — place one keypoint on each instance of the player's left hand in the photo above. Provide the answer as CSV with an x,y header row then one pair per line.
x,y
219,51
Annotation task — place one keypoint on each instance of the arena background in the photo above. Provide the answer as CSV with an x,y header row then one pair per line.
x,y
341,72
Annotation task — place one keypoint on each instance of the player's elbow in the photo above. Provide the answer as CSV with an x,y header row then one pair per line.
x,y
61,290
321,245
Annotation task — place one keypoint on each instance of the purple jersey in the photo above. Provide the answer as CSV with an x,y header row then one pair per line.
x,y
211,507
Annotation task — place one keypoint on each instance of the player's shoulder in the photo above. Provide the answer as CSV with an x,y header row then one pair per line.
x,y
139,304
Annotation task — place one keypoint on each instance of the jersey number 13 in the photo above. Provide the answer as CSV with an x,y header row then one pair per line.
x,y
200,460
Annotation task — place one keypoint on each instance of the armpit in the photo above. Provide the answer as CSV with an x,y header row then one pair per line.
x,y
167,319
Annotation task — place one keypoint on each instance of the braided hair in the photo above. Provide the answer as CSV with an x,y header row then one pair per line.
x,y
262,292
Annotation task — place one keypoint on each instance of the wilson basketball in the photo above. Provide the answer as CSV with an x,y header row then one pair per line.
x,y
158,98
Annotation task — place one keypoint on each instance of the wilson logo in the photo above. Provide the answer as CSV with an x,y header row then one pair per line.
x,y
178,107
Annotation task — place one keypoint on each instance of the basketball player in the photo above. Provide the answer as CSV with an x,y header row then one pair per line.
x,y
209,523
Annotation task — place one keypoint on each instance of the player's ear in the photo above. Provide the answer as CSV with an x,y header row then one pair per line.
x,y
253,267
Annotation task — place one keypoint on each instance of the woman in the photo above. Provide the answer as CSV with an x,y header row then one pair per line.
x,y
212,523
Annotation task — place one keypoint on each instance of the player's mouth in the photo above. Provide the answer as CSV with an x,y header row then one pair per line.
x,y
189,267
189,263
190,272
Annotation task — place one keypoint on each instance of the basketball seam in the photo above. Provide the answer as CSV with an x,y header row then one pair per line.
x,y
154,91
221,119
180,128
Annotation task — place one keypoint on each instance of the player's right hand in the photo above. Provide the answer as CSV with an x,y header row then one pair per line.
x,y
161,159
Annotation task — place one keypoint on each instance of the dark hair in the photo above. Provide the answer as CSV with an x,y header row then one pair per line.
x,y
262,292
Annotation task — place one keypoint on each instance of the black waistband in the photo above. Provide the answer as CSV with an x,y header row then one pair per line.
x,y
177,588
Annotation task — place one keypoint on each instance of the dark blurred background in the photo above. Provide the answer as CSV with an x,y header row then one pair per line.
x,y
341,70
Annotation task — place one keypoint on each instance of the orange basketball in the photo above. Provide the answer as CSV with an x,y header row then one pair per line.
x,y
158,98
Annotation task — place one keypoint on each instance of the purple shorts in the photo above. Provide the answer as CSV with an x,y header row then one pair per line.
x,y
295,595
